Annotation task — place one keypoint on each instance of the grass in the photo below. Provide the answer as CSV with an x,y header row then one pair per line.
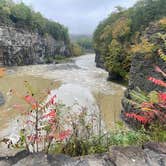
x,y
120,136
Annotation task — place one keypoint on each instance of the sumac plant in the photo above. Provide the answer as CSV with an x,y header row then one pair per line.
x,y
150,109
40,122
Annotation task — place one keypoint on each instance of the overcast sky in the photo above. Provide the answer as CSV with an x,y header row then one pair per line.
x,y
80,16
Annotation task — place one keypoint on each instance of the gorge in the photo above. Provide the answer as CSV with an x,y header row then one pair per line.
x,y
87,85
80,106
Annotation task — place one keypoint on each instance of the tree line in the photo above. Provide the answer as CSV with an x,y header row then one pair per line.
x,y
21,15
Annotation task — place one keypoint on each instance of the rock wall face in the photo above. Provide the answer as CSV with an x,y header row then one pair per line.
x,y
151,154
142,67
21,47
99,61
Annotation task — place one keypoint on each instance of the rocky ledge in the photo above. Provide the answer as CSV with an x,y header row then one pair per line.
x,y
99,60
150,154
2,100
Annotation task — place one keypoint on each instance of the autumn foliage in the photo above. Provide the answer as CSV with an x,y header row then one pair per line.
x,y
152,106
40,122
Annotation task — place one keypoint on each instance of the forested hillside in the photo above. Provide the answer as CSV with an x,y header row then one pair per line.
x,y
117,38
84,41
21,15
32,37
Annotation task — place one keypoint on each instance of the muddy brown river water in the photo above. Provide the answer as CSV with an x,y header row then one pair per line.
x,y
76,81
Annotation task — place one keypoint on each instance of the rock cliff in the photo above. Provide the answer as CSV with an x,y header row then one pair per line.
x,y
142,66
99,60
22,47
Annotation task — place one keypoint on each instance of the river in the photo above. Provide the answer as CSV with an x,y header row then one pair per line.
x,y
76,81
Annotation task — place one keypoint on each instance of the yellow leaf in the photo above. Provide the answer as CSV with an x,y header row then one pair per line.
x,y
146,109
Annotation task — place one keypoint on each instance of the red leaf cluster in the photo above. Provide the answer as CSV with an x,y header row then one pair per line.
x,y
157,82
142,119
51,114
65,134
162,97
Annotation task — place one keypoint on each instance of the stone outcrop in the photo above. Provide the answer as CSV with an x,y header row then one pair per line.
x,y
150,154
99,60
2,100
22,47
142,67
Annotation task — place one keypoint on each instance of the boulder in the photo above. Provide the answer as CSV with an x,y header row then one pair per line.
x,y
152,154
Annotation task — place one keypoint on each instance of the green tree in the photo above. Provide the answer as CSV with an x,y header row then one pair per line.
x,y
76,49
115,58
38,22
21,12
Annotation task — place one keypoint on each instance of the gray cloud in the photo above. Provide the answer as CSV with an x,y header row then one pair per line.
x,y
80,16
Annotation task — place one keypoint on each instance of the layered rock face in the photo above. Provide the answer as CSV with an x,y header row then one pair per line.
x,y
21,47
143,65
